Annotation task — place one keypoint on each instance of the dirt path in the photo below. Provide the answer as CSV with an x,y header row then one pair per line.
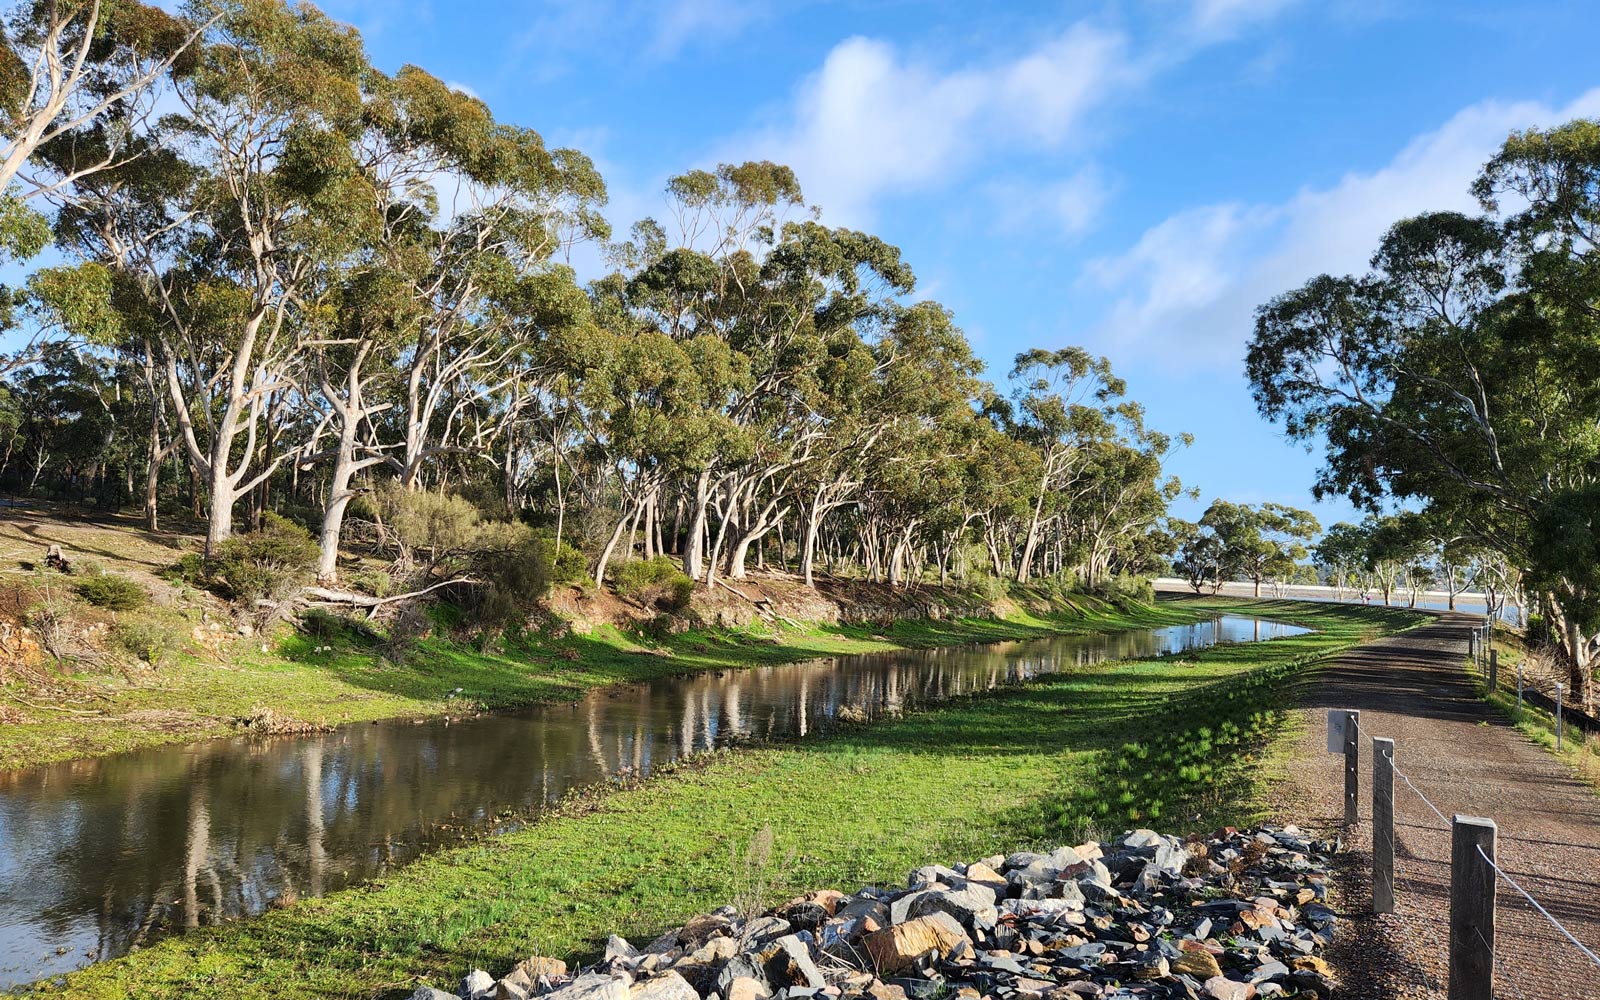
x,y
1466,759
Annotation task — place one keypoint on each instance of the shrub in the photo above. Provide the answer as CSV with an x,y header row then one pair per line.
x,y
190,568
656,581
112,591
564,566
148,641
371,581
990,588
264,564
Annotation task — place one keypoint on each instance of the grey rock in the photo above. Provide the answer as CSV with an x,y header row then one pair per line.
x,y
790,964
429,993
973,905
476,985
592,986
668,986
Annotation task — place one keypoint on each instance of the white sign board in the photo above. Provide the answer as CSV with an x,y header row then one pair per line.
x,y
1337,720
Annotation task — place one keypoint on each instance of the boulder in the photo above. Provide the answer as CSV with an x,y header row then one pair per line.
x,y
897,948
476,985
787,963
667,986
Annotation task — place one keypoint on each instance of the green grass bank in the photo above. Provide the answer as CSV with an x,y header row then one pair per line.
x,y
1175,742
318,681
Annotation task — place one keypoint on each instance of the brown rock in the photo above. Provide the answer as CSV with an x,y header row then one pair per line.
x,y
745,988
896,948
1311,963
1199,964
884,991
668,986
538,966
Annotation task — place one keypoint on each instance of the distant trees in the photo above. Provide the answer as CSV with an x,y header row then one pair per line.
x,y
314,289
1458,374
1233,541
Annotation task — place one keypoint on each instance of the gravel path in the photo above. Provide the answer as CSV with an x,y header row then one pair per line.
x,y
1466,759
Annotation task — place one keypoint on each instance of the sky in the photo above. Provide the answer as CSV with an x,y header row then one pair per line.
x,y
1134,177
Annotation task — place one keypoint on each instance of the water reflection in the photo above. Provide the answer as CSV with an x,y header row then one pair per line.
x,y
99,856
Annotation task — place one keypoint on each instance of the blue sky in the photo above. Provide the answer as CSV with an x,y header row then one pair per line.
x,y
1134,177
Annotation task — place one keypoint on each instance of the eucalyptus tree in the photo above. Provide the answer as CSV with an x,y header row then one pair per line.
x,y
1062,398
258,191
1261,542
1458,373
1341,552
1199,556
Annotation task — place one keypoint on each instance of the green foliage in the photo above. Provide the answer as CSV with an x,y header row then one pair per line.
x,y
265,564
24,232
660,581
565,565
153,642
112,591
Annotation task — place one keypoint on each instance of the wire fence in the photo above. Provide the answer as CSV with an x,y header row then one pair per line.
x,y
1503,975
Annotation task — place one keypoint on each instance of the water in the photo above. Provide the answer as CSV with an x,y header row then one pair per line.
x,y
98,856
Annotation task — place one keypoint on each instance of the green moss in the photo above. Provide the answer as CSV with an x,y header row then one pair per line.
x,y
1004,768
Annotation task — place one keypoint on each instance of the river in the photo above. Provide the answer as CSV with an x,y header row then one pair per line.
x,y
101,855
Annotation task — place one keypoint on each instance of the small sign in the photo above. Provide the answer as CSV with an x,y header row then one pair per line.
x,y
1338,718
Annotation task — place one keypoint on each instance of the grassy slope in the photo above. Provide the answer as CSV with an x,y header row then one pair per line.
x,y
1578,750
1030,764
191,698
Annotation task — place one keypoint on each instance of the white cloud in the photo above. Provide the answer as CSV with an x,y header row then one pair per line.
x,y
462,88
680,23
1186,291
1223,18
1068,207
872,123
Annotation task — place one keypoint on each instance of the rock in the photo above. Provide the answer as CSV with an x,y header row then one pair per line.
x,y
702,928
745,988
1200,965
508,990
538,966
429,993
1223,988
897,948
763,929
476,985
592,987
667,986
618,948
972,905
787,962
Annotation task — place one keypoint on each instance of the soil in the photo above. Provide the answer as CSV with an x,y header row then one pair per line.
x,y
1466,759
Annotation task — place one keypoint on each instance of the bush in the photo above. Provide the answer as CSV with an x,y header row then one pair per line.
x,y
150,642
990,588
265,564
656,581
112,591
568,565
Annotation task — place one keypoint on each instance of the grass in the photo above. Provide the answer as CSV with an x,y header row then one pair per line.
x,y
330,681
1172,741
1579,751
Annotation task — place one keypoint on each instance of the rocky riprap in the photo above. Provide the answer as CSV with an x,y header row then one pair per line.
x,y
1146,917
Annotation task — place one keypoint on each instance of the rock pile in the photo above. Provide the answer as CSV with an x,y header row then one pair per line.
x,y
1146,917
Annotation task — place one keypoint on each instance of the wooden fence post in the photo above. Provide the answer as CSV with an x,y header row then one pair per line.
x,y
1494,670
1472,886
1382,825
1352,761
1560,701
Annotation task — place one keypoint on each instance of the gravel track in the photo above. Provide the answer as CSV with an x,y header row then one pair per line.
x,y
1466,758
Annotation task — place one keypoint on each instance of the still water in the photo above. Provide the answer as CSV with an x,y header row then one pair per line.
x,y
100,856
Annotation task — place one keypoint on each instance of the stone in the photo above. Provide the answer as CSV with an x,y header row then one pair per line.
x,y
429,993
745,988
1201,965
787,962
505,989
618,947
897,948
763,929
972,905
538,966
592,986
476,985
702,928
1223,988
667,986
